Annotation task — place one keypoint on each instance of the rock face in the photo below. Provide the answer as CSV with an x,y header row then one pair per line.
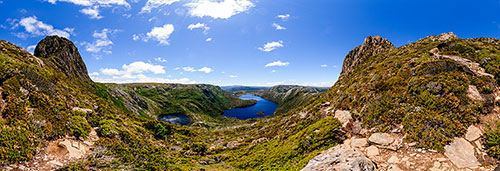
x,y
341,157
461,153
372,46
64,55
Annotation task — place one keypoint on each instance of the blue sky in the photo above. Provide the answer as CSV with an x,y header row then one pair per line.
x,y
234,42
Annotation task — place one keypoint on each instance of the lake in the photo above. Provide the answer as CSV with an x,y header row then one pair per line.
x,y
262,108
182,119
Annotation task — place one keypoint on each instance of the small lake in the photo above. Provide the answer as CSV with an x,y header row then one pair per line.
x,y
262,108
182,119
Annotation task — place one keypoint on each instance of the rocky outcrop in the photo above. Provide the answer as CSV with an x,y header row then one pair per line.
x,y
64,55
341,157
372,46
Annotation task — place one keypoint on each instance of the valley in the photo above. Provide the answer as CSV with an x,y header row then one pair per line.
x,y
428,105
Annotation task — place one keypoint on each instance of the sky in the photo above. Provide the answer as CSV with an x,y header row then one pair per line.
x,y
234,42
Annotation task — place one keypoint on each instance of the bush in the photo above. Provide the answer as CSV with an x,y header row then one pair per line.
x,y
107,128
196,147
492,141
79,126
160,130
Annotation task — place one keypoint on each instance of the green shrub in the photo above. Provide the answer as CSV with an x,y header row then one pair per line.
x,y
160,130
195,147
107,128
79,126
492,141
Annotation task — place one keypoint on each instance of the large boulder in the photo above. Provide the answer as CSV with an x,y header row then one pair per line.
x,y
461,153
64,55
341,157
381,139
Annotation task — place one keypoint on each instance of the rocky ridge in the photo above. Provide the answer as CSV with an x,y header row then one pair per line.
x,y
372,46
391,150
64,55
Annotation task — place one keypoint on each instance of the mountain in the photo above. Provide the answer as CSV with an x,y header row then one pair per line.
x,y
237,88
290,96
54,116
436,99
428,105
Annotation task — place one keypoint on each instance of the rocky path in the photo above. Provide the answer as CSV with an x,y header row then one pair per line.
x,y
58,153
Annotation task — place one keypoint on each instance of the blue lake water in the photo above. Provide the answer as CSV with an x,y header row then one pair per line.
x,y
182,119
266,106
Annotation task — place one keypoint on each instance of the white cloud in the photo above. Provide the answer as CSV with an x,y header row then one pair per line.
x,y
324,66
101,42
93,6
188,69
94,74
141,67
135,37
110,71
159,59
233,76
273,70
271,46
160,34
37,28
92,12
140,78
200,26
93,2
277,63
283,17
155,4
218,9
206,70
208,39
31,49
138,67
278,27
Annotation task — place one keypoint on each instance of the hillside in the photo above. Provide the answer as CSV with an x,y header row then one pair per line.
x,y
433,99
429,105
290,96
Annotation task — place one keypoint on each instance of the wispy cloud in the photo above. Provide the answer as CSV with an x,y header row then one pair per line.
x,y
203,69
93,6
283,17
271,46
199,26
218,9
277,63
92,12
159,59
101,42
151,4
324,66
33,27
278,27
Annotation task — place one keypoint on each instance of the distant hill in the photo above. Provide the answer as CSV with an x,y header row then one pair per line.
x,y
237,88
